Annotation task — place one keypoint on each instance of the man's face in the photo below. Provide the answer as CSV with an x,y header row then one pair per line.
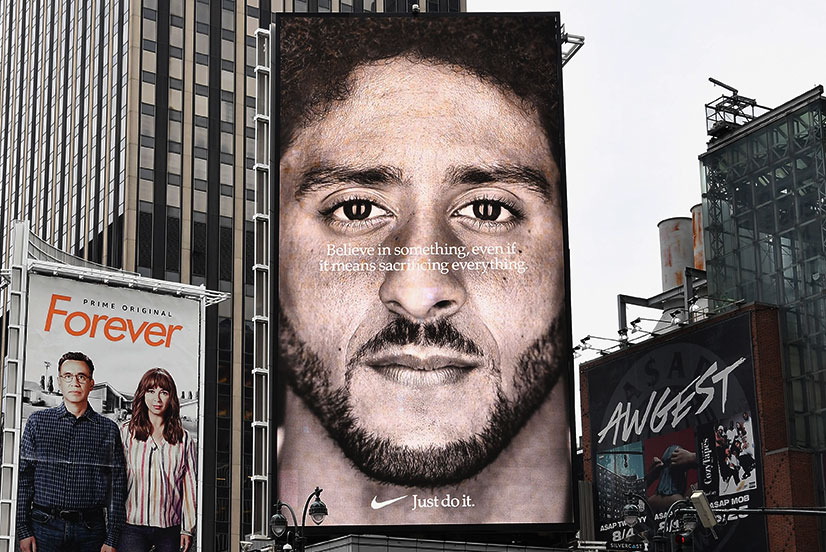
x,y
406,361
75,392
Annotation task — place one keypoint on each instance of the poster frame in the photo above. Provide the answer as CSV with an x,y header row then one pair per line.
x,y
27,260
734,335
507,530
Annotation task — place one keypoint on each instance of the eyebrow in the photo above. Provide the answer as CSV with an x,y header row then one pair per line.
x,y
529,177
322,177
326,176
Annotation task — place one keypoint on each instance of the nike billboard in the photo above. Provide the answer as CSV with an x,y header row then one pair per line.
x,y
424,360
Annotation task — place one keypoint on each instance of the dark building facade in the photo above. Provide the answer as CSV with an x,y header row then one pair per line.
x,y
128,140
764,199
618,487
764,187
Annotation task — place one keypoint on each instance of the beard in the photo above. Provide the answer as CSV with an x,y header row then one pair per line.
x,y
538,369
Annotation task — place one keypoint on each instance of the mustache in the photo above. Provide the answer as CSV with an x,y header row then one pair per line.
x,y
401,332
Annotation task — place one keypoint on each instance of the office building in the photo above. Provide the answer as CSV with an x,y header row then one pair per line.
x,y
128,140
764,184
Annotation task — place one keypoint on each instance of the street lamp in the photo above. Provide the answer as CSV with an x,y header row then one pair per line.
x,y
279,525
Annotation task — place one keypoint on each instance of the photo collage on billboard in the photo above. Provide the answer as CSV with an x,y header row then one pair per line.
x,y
134,358
424,311
673,418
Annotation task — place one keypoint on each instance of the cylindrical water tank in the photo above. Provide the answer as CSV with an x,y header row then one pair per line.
x,y
699,241
676,250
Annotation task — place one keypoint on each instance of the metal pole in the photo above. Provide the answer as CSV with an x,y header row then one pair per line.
x,y
764,511
316,494
278,506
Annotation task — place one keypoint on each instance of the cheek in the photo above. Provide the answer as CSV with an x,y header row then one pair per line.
x,y
324,307
518,308
308,291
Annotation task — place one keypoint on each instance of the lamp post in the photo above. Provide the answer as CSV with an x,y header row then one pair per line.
x,y
279,525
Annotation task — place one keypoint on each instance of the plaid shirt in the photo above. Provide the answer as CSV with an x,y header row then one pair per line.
x,y
73,464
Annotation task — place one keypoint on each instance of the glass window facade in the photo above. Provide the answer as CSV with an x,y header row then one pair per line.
x,y
81,155
764,206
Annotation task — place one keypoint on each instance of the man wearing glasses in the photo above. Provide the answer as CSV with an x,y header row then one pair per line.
x,y
72,481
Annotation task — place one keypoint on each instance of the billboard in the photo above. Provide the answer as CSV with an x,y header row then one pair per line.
x,y
424,362
134,357
678,416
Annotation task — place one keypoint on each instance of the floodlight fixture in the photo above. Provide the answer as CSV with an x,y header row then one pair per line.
x,y
704,511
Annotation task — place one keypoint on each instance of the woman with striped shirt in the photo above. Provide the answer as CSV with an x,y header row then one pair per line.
x,y
160,460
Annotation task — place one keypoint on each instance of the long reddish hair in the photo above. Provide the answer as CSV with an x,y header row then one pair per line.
x,y
139,425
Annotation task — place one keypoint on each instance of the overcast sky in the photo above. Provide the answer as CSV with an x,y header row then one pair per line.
x,y
635,121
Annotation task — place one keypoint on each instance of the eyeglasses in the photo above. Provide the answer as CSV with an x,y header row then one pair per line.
x,y
82,379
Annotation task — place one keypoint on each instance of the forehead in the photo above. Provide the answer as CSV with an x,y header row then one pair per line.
x,y
156,380
75,367
403,108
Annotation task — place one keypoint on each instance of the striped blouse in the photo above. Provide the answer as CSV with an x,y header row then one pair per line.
x,y
161,482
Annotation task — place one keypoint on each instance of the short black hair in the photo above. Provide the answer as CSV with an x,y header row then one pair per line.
x,y
518,53
76,355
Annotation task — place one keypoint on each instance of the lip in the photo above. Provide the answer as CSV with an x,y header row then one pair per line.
x,y
422,367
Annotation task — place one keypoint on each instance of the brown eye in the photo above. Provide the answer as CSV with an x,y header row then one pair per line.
x,y
356,210
491,213
488,211
355,213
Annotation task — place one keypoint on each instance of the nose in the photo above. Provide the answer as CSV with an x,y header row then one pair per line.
x,y
421,291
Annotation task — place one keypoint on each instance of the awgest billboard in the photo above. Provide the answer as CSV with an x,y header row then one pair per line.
x,y
424,334
676,417
133,357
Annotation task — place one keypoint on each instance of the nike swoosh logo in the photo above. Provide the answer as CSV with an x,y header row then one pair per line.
x,y
376,505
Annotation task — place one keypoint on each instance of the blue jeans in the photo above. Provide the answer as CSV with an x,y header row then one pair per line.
x,y
55,535
141,538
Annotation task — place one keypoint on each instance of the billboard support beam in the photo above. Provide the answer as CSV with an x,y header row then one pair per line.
x,y
13,384
262,408
694,279
576,42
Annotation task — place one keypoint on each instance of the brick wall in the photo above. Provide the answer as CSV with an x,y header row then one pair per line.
x,y
788,474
